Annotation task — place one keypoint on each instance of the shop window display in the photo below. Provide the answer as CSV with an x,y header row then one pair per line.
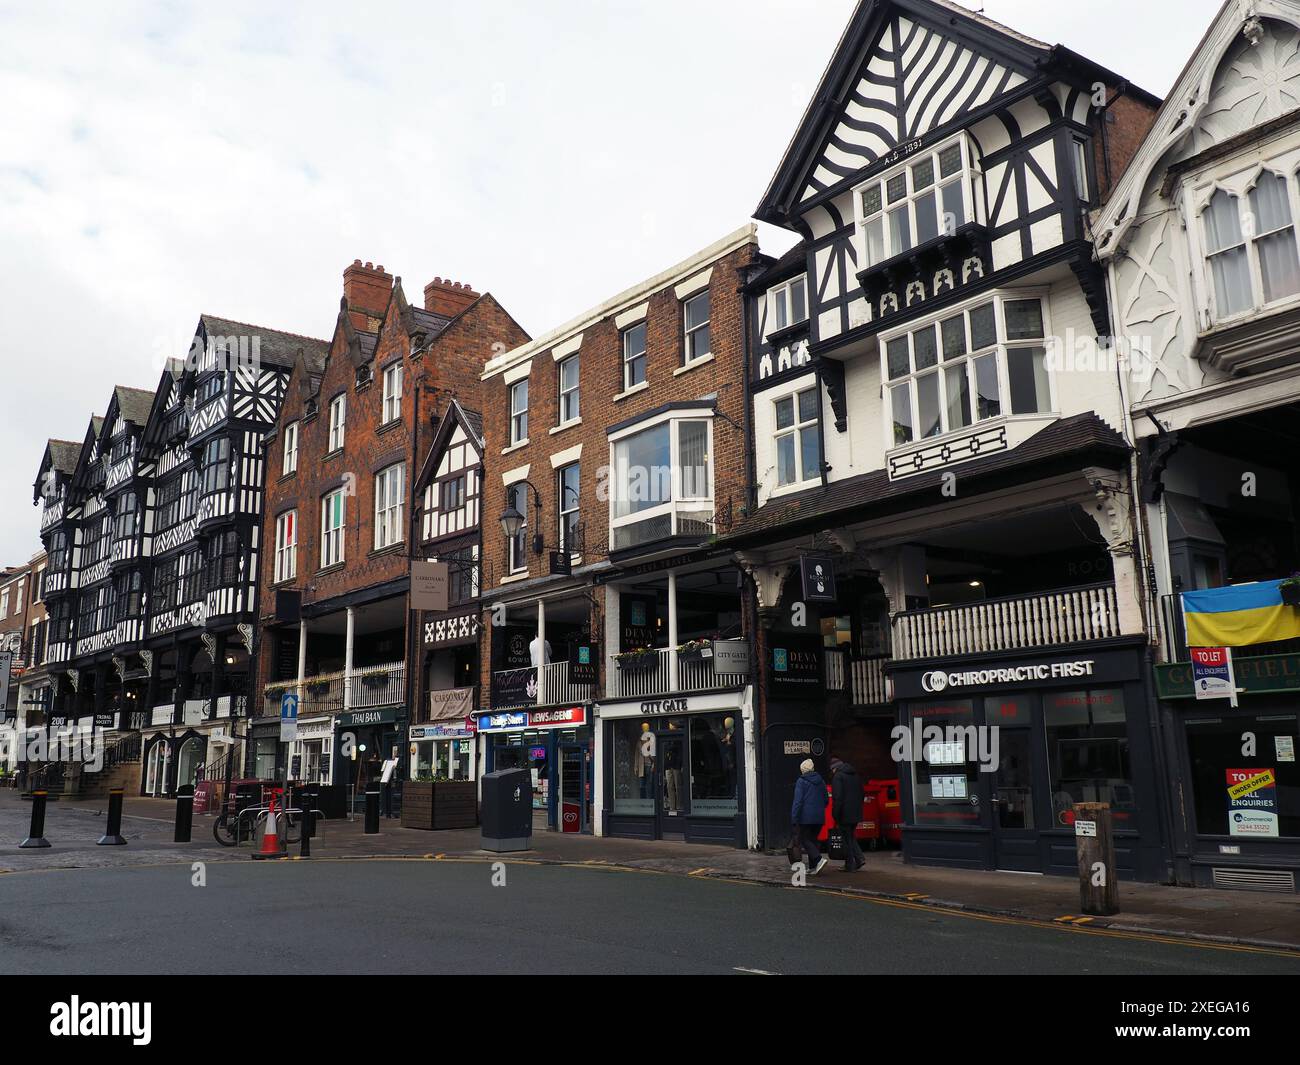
x,y
449,759
1246,796
945,779
635,749
1088,752
713,765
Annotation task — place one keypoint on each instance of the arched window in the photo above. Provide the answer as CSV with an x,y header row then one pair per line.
x,y
1274,237
1226,248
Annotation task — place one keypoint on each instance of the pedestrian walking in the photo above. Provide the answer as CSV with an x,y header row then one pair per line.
x,y
808,813
846,810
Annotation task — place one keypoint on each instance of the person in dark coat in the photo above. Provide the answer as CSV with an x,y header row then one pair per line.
x,y
846,809
808,813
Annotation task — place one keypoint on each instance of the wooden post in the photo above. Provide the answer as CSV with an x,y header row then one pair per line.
x,y
1095,844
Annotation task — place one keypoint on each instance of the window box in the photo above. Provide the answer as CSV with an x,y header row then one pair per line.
x,y
695,650
640,660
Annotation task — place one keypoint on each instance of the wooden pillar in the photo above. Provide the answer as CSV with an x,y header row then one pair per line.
x,y
1095,844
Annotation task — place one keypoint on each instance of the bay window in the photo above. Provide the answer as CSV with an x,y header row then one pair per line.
x,y
970,365
928,196
1250,246
388,506
286,546
216,465
332,510
662,482
798,438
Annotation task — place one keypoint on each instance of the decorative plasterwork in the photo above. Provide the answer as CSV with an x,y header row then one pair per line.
x,y
768,579
246,634
1113,510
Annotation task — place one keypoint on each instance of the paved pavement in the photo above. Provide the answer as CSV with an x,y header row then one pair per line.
x,y
391,915
1223,916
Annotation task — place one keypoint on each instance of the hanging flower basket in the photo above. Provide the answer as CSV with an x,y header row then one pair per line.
x,y
318,689
375,680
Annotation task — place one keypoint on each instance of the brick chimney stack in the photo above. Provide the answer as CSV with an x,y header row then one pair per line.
x,y
366,288
447,298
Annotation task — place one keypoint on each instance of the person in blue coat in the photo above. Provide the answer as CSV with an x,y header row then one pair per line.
x,y
808,813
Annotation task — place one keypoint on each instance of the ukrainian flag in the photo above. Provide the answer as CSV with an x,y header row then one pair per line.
x,y
1239,615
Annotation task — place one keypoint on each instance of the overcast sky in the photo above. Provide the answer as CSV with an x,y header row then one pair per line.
x,y
159,160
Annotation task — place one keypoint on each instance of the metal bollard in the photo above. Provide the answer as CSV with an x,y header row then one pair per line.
x,y
36,835
184,814
372,813
308,818
112,836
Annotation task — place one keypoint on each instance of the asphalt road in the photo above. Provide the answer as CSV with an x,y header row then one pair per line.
x,y
382,916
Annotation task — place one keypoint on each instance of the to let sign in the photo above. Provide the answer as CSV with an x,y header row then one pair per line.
x,y
1212,673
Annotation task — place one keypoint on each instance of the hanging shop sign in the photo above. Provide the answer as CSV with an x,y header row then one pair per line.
x,y
818,572
428,585
6,667
106,721
514,647
795,665
1252,802
731,656
583,657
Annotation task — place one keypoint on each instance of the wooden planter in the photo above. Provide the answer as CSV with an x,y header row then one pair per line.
x,y
441,805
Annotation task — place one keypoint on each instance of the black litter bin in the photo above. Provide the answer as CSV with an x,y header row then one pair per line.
x,y
507,810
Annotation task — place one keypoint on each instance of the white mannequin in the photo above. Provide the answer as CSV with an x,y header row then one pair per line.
x,y
536,655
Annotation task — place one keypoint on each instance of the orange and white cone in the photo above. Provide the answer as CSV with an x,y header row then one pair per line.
x,y
270,839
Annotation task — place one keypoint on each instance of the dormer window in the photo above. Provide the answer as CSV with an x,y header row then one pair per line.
x,y
915,203
1250,247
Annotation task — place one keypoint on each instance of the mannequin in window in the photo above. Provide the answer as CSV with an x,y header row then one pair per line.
x,y
539,655
643,762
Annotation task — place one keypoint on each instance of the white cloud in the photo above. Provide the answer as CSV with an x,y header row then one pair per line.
x,y
160,160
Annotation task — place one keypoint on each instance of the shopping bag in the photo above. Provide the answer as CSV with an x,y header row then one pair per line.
x,y
835,844
794,851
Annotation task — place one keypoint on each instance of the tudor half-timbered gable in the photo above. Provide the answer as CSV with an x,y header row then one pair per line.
x,y
940,183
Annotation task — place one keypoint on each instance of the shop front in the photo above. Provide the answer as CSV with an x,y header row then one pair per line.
x,y
311,755
364,741
554,743
1240,817
994,752
443,751
674,767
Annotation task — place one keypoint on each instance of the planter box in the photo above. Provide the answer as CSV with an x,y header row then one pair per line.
x,y
640,664
442,805
1290,594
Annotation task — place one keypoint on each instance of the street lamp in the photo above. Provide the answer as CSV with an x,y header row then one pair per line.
x,y
512,520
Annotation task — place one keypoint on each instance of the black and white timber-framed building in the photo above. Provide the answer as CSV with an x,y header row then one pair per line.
x,y
920,434
154,540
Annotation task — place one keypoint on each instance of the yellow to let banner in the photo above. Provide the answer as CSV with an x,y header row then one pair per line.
x,y
1262,780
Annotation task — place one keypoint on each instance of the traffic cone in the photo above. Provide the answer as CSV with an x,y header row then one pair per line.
x,y
270,839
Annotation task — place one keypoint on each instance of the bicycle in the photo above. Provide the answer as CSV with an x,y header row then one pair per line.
x,y
250,822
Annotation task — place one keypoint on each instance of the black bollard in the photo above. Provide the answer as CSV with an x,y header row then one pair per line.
x,y
36,836
308,816
184,814
372,813
112,836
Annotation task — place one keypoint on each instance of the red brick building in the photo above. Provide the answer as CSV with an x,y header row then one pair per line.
x,y
338,518
615,451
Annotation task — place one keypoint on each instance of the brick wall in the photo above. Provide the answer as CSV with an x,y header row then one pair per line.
x,y
452,362
1123,137
600,383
